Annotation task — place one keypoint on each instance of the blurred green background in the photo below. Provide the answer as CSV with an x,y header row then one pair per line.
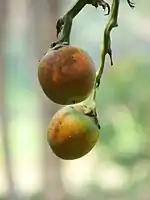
x,y
118,168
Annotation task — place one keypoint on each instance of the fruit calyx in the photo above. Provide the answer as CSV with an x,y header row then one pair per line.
x,y
88,107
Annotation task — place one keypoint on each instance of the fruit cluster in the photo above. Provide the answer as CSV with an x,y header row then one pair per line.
x,y
67,77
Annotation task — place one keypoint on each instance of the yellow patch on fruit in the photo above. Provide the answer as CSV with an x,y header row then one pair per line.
x,y
71,133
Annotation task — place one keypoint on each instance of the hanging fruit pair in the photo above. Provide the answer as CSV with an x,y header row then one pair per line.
x,y
67,77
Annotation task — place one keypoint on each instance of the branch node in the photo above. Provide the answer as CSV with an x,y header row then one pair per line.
x,y
102,3
58,45
110,56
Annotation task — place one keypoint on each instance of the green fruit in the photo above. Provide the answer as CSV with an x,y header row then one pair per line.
x,y
73,131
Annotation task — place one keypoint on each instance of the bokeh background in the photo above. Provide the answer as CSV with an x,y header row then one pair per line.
x,y
118,168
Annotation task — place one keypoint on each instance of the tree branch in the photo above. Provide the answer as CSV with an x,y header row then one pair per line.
x,y
106,47
64,24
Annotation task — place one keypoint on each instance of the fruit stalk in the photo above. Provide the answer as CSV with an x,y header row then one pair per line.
x,y
106,46
64,24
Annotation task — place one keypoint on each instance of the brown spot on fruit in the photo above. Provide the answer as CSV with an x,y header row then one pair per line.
x,y
66,75
75,136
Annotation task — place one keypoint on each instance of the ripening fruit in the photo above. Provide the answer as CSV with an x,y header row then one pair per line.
x,y
73,132
66,75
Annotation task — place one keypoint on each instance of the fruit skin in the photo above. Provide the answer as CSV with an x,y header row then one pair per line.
x,y
72,133
66,75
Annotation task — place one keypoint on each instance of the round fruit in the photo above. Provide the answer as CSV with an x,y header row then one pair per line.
x,y
73,131
66,75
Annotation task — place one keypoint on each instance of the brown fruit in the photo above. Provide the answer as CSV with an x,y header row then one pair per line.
x,y
73,132
66,75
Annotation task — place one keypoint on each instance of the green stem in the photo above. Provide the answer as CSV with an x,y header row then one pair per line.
x,y
106,47
64,24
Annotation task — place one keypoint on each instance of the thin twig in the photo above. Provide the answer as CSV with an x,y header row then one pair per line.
x,y
64,24
106,47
